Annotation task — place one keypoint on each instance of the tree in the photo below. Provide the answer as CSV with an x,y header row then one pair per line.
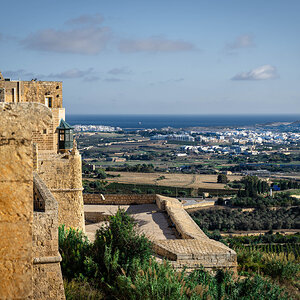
x,y
101,173
222,178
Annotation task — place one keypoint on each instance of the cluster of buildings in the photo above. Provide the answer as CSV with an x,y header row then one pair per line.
x,y
96,128
248,136
173,137
233,136
217,149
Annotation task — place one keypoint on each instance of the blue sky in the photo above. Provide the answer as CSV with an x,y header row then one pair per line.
x,y
158,57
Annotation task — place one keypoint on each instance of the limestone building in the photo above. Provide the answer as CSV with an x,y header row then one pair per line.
x,y
40,188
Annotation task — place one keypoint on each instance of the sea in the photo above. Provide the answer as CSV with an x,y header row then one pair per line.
x,y
133,122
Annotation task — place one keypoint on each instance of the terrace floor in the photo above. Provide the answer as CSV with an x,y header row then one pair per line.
x,y
151,221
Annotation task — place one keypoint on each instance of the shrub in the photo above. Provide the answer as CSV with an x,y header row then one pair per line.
x,y
74,248
82,289
118,245
136,191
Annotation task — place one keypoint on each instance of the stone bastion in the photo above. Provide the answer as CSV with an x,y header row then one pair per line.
x,y
173,233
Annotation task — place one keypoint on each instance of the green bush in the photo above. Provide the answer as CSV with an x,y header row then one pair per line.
x,y
118,245
74,249
118,265
152,280
281,270
136,191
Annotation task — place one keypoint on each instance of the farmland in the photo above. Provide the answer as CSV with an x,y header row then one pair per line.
x,y
175,180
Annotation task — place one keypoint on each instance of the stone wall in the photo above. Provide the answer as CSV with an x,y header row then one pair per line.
x,y
95,217
192,250
184,224
37,92
195,248
47,276
118,199
16,196
63,176
32,91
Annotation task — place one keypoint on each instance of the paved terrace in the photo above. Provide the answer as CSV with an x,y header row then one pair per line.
x,y
150,220
157,217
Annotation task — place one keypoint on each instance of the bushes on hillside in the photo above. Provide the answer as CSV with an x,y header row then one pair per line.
x,y
118,265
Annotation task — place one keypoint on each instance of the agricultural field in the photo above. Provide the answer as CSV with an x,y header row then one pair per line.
x,y
175,180
288,248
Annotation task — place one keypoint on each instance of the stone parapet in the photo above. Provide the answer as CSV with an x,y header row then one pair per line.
x,y
62,172
192,250
47,276
195,248
111,199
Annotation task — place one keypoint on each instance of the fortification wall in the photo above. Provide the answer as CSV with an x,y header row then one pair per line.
x,y
32,91
62,173
184,224
47,276
193,250
36,91
16,196
44,138
118,199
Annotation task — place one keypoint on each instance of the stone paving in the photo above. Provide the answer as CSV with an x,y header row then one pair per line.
x,y
151,221
174,234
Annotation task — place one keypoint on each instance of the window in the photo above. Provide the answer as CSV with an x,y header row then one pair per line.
x,y
48,101
2,95
45,131
62,136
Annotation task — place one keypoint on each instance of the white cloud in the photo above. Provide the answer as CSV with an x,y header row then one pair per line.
x,y
95,19
155,44
167,81
120,71
242,41
80,41
261,73
72,73
21,73
87,75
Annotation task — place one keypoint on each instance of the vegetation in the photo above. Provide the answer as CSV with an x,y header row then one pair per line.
x,y
143,168
287,184
253,193
258,219
98,186
279,199
268,238
253,187
222,178
118,266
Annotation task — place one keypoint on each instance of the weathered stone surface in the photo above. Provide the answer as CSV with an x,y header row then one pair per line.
x,y
47,277
63,176
16,194
32,91
22,236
